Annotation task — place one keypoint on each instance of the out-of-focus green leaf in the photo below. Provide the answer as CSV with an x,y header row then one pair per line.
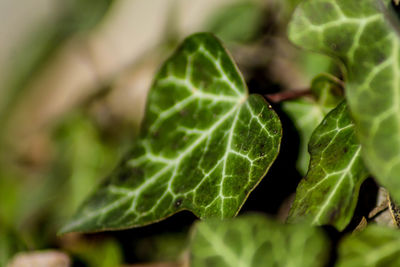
x,y
329,192
253,240
161,248
311,64
83,158
205,144
37,204
238,22
307,113
97,252
83,15
327,90
10,189
372,247
10,244
360,35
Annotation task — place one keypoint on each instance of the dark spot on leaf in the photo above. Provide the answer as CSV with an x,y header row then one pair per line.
x,y
380,58
327,7
175,146
124,175
155,134
333,215
178,203
345,150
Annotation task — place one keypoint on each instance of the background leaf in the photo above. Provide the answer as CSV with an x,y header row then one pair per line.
x,y
356,33
375,246
329,192
205,144
10,243
239,22
307,113
254,240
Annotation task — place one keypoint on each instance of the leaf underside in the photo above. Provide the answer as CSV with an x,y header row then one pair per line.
x,y
329,192
204,145
375,246
254,240
359,35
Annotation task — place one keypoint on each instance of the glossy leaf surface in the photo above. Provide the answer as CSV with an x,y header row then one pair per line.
x,y
361,36
205,144
329,192
254,240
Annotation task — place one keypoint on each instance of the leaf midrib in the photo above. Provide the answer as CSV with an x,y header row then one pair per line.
x,y
175,162
338,184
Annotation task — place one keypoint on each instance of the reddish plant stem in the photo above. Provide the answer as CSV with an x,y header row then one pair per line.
x,y
287,95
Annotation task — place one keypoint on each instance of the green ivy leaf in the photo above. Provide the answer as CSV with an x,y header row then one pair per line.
x,y
358,34
307,113
375,246
329,192
254,240
205,144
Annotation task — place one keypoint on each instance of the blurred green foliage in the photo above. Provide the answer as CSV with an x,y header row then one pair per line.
x,y
239,22
37,204
74,16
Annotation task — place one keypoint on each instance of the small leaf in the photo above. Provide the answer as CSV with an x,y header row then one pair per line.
x,y
254,240
375,246
205,144
307,113
360,36
329,192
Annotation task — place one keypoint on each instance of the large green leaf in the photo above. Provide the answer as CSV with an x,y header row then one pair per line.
x,y
328,194
360,35
205,144
254,240
375,246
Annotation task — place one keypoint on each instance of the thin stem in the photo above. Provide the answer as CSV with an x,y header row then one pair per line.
x,y
287,95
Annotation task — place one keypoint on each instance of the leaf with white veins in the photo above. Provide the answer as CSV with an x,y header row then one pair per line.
x,y
204,145
329,192
375,246
361,36
254,240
